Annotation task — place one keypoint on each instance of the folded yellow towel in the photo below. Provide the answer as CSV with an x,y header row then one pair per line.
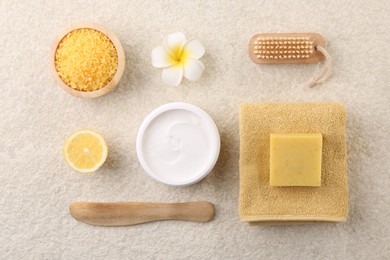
x,y
261,203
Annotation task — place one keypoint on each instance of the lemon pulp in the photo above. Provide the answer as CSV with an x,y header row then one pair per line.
x,y
85,151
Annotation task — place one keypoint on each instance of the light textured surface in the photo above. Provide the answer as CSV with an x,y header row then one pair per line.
x,y
36,116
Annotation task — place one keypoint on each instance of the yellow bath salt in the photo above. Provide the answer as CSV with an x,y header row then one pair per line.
x,y
86,59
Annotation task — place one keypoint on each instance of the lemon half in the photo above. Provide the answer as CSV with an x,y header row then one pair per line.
x,y
85,151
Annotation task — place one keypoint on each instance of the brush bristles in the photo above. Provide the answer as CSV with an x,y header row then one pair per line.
x,y
283,47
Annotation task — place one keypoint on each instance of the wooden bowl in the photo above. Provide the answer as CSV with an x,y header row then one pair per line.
x,y
119,49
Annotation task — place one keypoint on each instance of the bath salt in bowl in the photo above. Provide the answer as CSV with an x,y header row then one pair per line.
x,y
178,144
87,60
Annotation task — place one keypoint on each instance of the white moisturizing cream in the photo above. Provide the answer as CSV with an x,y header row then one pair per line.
x,y
178,144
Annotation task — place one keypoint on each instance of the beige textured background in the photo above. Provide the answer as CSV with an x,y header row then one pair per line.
x,y
36,116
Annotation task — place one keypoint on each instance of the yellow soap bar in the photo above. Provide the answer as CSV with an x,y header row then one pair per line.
x,y
295,159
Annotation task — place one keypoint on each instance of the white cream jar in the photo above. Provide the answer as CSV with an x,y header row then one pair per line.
x,y
178,144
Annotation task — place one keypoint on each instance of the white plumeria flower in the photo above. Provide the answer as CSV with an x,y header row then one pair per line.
x,y
178,58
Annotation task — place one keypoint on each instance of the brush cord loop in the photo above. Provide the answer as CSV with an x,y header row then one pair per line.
x,y
323,74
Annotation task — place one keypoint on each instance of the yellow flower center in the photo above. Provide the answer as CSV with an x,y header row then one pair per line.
x,y
178,55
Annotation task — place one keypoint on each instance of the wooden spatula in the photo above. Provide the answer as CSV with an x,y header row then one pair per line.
x,y
132,213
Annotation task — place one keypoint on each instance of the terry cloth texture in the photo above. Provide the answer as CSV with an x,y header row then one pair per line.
x,y
261,202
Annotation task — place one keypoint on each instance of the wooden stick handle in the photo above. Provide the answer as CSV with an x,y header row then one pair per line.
x,y
131,213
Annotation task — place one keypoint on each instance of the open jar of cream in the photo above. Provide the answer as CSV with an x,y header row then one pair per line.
x,y
178,144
